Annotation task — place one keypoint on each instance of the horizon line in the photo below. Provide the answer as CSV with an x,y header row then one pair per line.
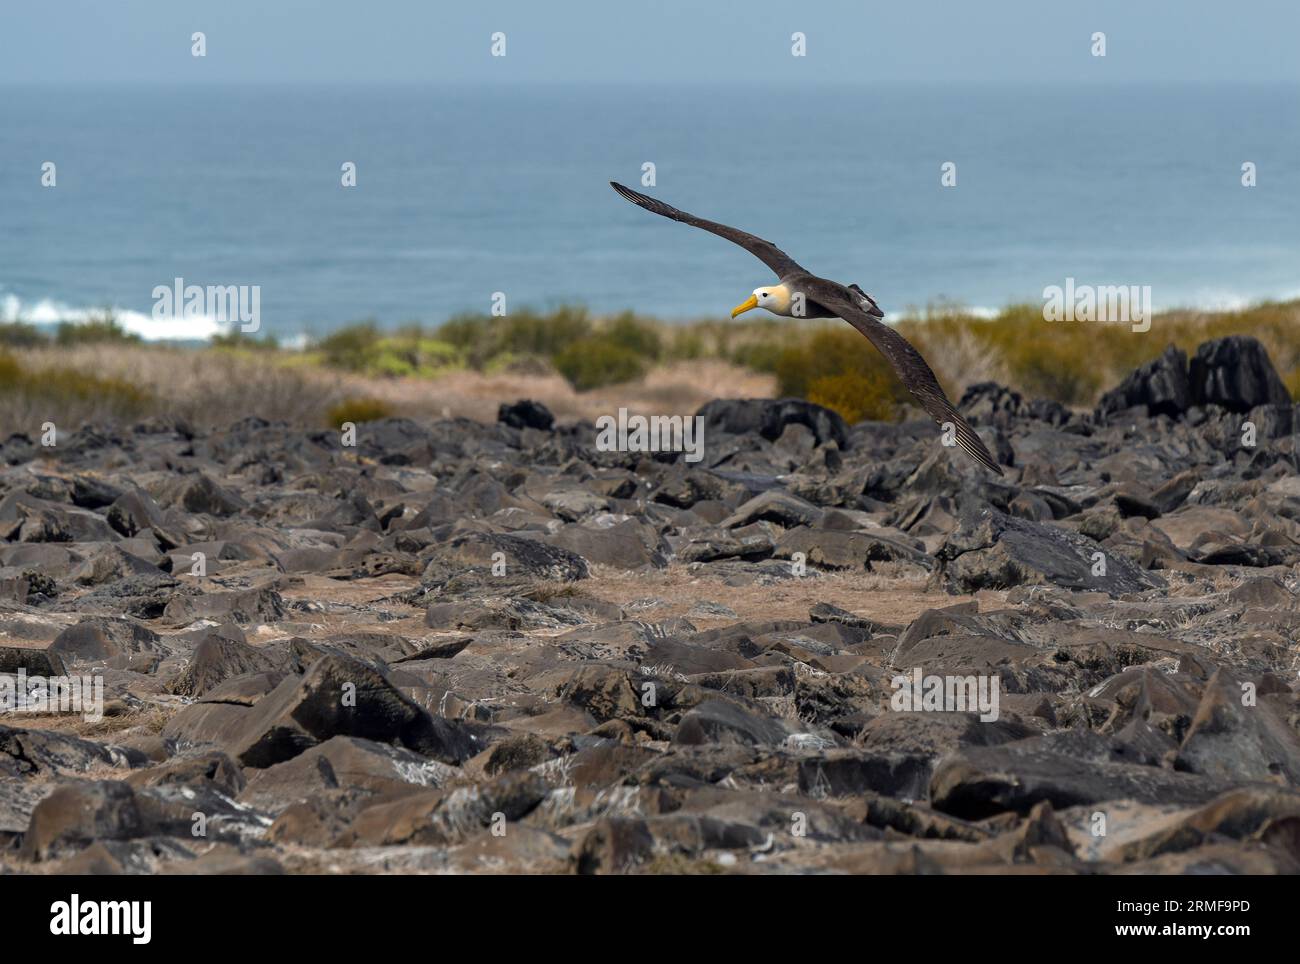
x,y
1029,85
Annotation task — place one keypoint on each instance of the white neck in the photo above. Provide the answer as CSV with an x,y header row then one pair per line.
x,y
781,300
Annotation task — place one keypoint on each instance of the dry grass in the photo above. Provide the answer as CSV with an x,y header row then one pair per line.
x,y
1074,362
890,597
677,388
205,387
145,720
475,364
961,358
212,388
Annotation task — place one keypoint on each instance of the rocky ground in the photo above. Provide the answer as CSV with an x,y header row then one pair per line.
x,y
468,647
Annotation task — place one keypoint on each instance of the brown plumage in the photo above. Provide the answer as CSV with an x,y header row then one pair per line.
x,y
825,298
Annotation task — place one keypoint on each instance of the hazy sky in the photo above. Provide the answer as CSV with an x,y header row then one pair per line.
x,y
654,41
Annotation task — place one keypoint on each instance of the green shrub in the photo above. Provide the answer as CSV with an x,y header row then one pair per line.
x,y
93,331
827,351
635,335
598,361
237,340
508,363
1292,382
11,372
759,357
58,390
351,348
60,384
358,410
407,354
19,334
1057,369
481,339
857,396
529,334
686,344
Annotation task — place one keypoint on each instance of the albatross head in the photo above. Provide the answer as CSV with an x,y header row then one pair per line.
x,y
775,299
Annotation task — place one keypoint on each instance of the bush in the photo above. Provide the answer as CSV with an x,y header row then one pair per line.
x,y
352,348
56,392
1292,382
759,357
598,361
481,339
237,340
589,356
64,384
19,334
411,353
358,410
93,331
530,334
687,345
509,363
11,373
634,335
1055,368
408,351
857,396
829,352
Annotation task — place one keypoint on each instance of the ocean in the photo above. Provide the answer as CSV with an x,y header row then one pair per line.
x,y
461,193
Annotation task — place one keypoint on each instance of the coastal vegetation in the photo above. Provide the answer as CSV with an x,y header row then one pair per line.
x,y
96,370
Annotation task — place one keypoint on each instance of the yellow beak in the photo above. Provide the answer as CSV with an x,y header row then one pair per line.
x,y
745,306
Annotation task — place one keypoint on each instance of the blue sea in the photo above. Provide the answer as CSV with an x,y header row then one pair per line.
x,y
465,192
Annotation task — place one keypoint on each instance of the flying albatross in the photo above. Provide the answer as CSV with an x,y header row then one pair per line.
x,y
802,294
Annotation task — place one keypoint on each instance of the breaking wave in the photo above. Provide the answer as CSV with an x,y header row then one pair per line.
x,y
47,312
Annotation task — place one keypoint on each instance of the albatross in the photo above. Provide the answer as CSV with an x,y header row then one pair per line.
x,y
801,294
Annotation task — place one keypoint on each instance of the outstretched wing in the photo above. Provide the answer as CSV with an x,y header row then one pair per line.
x,y
765,251
907,362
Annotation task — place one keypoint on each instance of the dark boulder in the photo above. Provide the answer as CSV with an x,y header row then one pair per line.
x,y
340,696
769,418
526,413
1067,769
103,637
518,556
222,653
718,722
1236,373
988,403
40,753
1161,385
202,494
992,550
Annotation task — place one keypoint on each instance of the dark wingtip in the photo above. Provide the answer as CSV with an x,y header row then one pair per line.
x,y
628,194
977,450
985,458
